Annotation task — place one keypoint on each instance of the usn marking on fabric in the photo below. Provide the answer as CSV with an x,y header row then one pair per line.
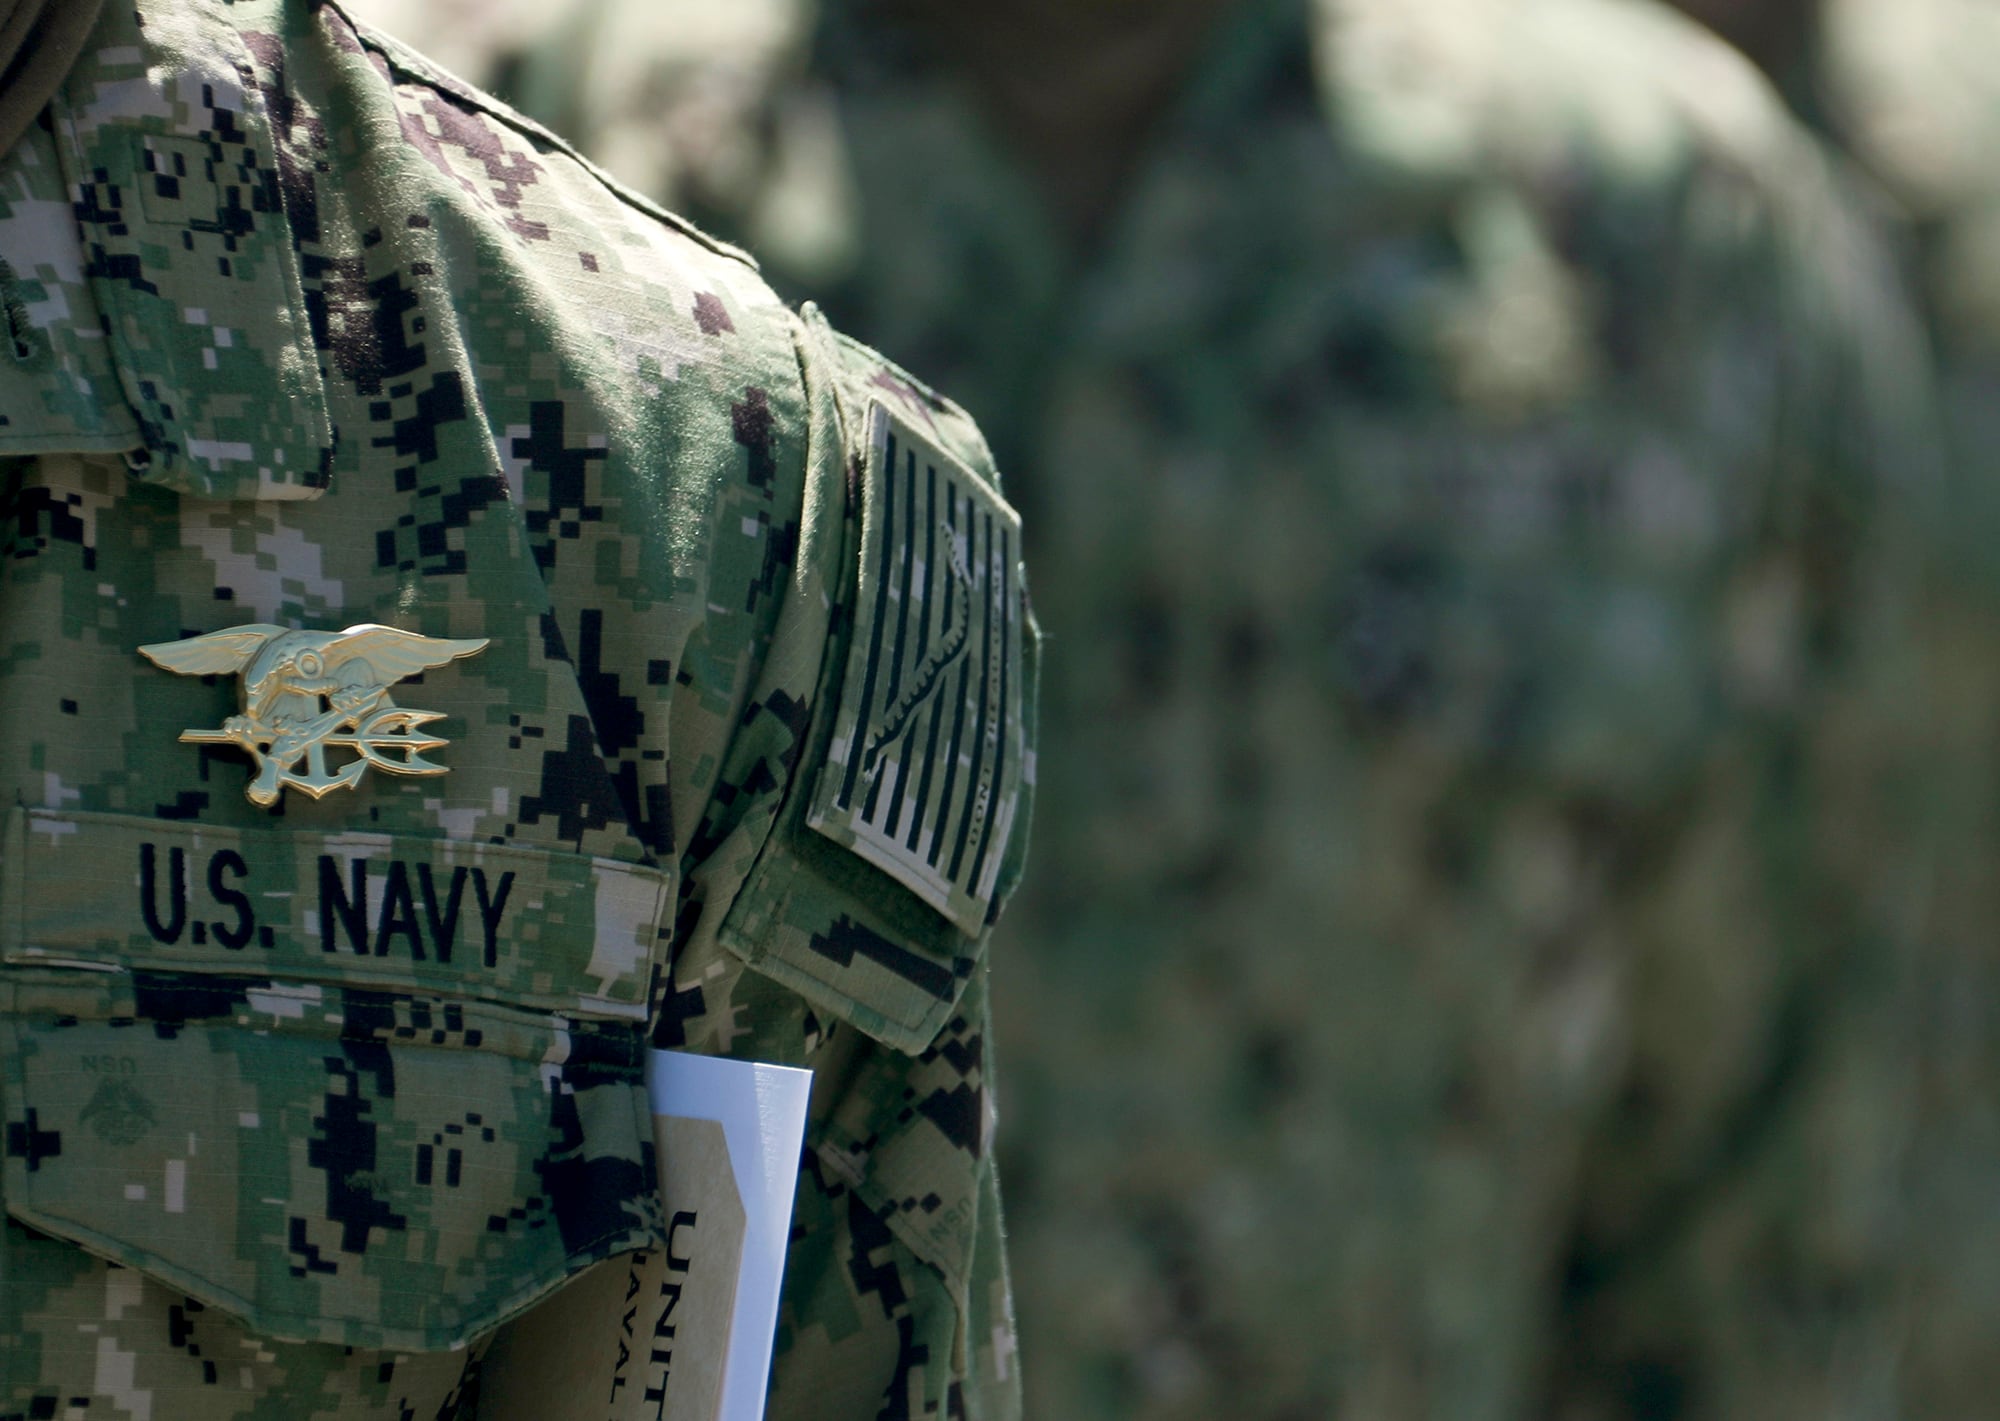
x,y
420,914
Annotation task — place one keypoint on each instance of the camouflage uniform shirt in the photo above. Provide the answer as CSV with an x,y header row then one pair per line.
x,y
306,335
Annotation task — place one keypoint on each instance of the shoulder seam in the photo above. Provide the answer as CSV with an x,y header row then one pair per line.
x,y
944,402
410,64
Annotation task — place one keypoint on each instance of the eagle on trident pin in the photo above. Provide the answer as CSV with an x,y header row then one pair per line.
x,y
307,692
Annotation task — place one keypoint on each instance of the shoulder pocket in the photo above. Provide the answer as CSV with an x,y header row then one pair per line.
x,y
366,1089
899,844
58,383
177,194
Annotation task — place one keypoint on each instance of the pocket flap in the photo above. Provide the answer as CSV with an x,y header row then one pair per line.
x,y
58,384
177,191
367,1089
377,1185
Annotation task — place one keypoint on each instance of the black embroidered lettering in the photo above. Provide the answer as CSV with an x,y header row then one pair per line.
x,y
661,1358
334,900
490,909
399,913
443,926
228,861
683,1219
618,1372
149,902
632,1287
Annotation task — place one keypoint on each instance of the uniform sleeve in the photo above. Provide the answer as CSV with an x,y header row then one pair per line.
x,y
867,826
897,844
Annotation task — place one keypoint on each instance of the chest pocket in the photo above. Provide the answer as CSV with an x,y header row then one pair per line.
x,y
58,381
354,1088
190,256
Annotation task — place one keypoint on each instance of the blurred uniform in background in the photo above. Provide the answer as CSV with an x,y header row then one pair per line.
x,y
1911,89
1911,93
1913,86
1484,473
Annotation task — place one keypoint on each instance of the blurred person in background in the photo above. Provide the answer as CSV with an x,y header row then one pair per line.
x,y
1488,494
1782,37
1911,90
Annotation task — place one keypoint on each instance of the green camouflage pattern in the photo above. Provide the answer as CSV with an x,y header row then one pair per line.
x,y
149,1350
303,1103
924,770
1914,92
1472,965
562,933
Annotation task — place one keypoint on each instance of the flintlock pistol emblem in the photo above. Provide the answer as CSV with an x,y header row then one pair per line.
x,y
305,693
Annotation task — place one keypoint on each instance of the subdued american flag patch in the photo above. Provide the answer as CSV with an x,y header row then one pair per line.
x,y
924,774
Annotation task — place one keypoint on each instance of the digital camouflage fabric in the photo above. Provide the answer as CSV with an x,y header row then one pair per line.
x,y
514,574
39,40
1470,967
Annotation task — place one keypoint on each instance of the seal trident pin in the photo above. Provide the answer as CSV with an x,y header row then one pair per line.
x,y
304,693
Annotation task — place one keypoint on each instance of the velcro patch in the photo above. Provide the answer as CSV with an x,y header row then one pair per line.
x,y
503,923
923,775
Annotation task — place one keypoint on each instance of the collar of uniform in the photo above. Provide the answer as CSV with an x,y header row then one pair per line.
x,y
165,137
39,40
